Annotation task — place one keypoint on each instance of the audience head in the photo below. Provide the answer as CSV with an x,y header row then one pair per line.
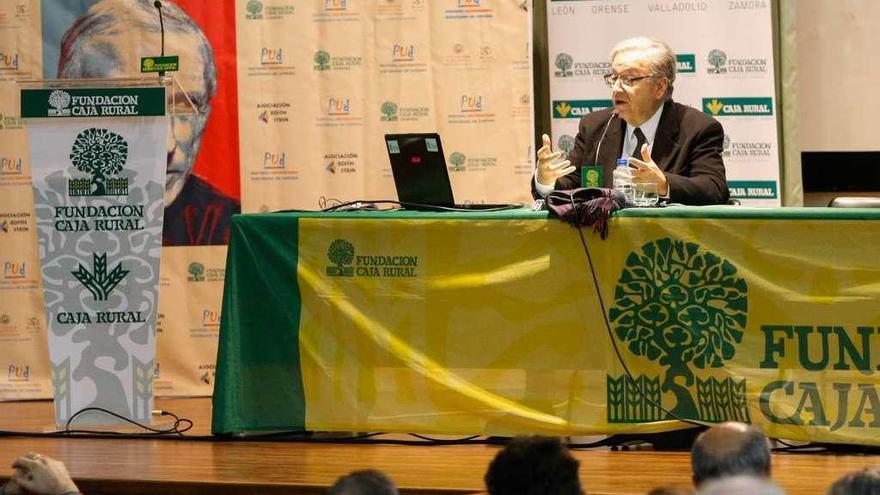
x,y
730,449
740,485
366,482
864,482
671,490
40,475
533,466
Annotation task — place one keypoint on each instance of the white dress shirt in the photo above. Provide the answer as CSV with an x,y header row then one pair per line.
x,y
649,129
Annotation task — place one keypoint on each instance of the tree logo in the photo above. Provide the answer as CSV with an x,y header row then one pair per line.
x,y
717,59
341,253
564,62
389,112
322,60
682,307
254,10
102,154
725,145
566,144
99,282
196,272
457,160
59,100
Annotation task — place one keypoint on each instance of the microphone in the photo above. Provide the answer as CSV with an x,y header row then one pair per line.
x,y
158,6
599,146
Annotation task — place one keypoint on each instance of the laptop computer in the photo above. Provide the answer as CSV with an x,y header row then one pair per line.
x,y
420,174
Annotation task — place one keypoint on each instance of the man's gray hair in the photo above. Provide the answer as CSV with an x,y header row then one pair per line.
x,y
736,485
110,16
659,56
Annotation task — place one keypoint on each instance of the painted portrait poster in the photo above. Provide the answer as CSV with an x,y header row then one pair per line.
x,y
107,38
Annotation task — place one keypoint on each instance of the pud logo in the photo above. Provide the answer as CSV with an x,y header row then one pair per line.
x,y
254,10
271,56
338,106
335,4
18,373
471,103
9,61
14,270
274,161
210,318
403,53
102,154
11,166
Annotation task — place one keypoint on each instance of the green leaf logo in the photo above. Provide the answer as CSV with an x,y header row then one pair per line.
x,y
99,281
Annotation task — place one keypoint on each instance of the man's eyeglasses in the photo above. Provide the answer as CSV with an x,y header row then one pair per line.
x,y
626,81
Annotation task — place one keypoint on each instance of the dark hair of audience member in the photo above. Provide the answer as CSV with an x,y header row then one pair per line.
x,y
730,449
864,482
366,482
533,466
671,490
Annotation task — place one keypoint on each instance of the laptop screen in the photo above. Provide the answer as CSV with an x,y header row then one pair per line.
x,y
419,169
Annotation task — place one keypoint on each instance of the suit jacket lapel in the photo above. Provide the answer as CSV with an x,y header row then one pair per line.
x,y
666,139
613,144
610,150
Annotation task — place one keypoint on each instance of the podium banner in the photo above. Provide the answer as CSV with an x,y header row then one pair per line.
x,y
98,199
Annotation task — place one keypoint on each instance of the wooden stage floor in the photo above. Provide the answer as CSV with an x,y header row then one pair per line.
x,y
139,466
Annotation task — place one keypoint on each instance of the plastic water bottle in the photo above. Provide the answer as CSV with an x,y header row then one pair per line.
x,y
622,179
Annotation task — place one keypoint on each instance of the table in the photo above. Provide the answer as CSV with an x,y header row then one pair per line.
x,y
491,323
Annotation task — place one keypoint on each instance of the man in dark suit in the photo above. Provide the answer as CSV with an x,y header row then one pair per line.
x,y
675,146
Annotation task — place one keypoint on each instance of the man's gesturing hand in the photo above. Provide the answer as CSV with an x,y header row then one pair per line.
x,y
548,171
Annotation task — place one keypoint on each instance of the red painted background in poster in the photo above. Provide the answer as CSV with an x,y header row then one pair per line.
x,y
217,162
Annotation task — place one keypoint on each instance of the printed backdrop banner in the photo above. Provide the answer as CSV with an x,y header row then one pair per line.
x,y
718,314
98,200
724,52
294,100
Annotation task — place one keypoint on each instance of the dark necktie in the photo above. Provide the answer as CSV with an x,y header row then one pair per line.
x,y
640,140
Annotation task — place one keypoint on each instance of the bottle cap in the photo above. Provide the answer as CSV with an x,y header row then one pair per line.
x,y
622,162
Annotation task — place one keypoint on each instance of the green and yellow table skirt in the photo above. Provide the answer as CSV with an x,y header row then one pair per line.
x,y
491,323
